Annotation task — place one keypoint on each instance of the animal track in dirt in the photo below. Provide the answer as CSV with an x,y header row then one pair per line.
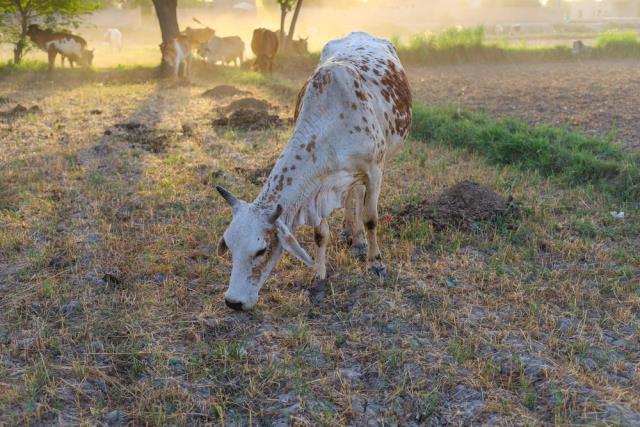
x,y
464,205
224,91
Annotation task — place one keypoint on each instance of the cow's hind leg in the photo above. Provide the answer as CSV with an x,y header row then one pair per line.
x,y
370,217
353,232
321,237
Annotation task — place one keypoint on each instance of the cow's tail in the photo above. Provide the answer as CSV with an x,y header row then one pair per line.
x,y
197,21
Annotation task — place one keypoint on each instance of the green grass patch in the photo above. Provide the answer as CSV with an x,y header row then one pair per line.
x,y
469,45
619,42
574,158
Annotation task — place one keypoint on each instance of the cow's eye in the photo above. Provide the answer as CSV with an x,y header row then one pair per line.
x,y
261,252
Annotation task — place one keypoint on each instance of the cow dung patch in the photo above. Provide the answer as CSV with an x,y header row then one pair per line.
x,y
224,91
464,205
19,111
249,119
248,104
140,135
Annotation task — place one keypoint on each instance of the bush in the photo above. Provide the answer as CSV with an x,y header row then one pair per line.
x,y
619,42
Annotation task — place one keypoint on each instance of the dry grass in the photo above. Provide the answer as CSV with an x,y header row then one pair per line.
x,y
532,325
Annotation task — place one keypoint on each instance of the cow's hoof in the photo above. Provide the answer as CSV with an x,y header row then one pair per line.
x,y
318,290
380,271
360,251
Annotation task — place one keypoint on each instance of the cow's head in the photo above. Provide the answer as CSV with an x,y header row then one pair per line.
x,y
256,238
301,46
169,54
86,57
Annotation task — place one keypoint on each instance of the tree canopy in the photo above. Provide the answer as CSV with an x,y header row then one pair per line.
x,y
19,14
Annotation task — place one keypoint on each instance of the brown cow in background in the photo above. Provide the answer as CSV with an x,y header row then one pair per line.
x,y
264,45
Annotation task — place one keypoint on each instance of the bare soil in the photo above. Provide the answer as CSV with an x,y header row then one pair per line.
x,y
596,97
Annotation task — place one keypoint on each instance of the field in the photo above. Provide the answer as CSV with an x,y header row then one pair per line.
x,y
111,307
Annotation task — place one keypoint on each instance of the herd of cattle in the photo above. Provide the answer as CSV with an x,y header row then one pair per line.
x,y
177,52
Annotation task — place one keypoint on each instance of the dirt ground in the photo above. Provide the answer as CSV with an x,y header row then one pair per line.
x,y
111,293
596,97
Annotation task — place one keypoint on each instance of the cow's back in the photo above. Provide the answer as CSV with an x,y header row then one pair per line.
x,y
264,42
361,85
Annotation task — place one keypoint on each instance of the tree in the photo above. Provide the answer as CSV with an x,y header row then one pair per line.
x,y
19,14
285,7
167,12
294,20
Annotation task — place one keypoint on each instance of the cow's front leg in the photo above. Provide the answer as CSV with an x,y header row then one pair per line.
x,y
52,57
353,232
370,217
318,289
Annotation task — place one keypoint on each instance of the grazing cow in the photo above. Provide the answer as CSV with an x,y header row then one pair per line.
x,y
300,46
351,115
264,45
113,37
223,49
176,53
198,36
68,45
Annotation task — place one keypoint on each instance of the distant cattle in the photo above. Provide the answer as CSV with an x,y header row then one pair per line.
x,y
113,37
580,49
351,115
176,53
223,49
198,36
264,45
300,46
68,45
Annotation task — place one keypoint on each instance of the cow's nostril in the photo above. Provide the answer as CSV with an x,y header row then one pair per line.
x,y
237,306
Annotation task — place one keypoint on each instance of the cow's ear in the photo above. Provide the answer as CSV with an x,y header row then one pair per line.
x,y
222,247
291,245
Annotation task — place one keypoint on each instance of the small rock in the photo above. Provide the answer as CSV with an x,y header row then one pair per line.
x,y
71,308
114,418
159,278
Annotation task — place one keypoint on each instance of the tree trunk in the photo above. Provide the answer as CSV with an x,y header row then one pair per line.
x,y
166,10
294,21
167,13
283,16
18,51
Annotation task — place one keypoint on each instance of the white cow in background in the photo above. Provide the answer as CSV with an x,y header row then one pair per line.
x,y
351,115
113,37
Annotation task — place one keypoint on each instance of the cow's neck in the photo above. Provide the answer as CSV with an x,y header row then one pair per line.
x,y
296,178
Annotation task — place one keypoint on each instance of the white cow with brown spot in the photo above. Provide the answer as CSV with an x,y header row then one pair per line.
x,y
351,115
176,53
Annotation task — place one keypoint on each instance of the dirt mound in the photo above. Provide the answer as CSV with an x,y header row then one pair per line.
x,y
464,205
249,119
248,103
224,91
19,111
139,134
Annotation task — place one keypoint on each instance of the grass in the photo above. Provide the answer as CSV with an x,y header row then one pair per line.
x,y
469,45
456,337
551,152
